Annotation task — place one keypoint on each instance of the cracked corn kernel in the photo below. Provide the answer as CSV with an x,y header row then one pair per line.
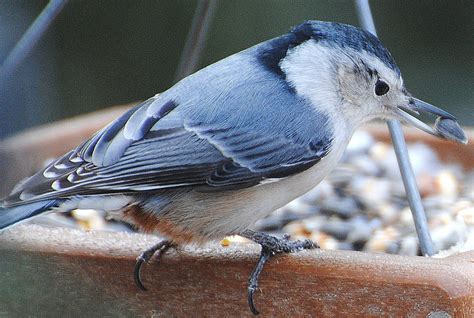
x,y
225,242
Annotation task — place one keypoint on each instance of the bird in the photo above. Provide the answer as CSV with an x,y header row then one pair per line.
x,y
229,144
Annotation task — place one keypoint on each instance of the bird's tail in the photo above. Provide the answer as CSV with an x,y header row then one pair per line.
x,y
16,214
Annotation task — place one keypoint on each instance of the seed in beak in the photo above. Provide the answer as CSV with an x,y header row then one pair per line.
x,y
450,129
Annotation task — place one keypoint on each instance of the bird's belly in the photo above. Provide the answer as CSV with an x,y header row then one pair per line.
x,y
217,214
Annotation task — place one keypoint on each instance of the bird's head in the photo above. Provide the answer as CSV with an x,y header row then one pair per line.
x,y
347,72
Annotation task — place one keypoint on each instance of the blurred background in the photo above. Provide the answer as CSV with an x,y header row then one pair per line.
x,y
103,53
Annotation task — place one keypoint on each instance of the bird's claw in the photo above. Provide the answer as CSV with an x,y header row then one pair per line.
x,y
137,271
145,257
253,279
250,292
270,247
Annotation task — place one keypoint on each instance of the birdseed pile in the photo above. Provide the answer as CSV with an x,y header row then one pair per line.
x,y
362,205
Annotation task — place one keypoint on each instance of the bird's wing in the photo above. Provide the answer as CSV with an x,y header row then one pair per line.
x,y
169,143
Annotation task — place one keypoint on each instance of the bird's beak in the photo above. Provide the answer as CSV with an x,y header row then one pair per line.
x,y
446,125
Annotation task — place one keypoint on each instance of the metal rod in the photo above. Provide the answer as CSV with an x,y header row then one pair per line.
x,y
426,245
196,38
30,38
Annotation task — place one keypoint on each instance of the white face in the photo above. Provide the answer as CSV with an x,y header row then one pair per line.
x,y
368,86
353,87
345,82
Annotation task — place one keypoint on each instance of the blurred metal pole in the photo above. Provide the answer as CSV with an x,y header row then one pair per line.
x,y
196,38
30,38
426,245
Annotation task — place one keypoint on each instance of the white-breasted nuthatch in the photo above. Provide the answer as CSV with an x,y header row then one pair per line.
x,y
229,144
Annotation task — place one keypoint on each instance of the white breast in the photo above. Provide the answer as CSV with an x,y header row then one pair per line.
x,y
276,195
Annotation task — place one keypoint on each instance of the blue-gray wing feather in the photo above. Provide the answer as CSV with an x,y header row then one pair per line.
x,y
252,128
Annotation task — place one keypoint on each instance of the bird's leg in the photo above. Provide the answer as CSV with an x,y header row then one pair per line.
x,y
146,256
270,247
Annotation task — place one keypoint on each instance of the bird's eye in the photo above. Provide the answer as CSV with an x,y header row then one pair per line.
x,y
381,88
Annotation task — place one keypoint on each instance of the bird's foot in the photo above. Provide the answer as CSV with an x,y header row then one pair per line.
x,y
146,256
271,246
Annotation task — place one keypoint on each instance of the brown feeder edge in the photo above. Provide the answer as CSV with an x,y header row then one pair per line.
x,y
56,271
